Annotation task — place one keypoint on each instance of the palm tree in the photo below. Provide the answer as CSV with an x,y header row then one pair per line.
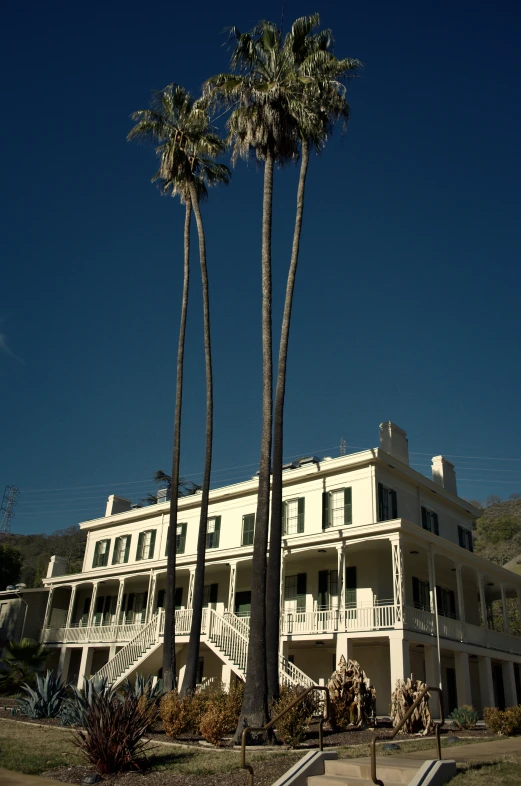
x,y
318,74
187,148
264,121
21,661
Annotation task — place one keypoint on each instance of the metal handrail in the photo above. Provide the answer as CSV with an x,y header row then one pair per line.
x,y
397,729
273,721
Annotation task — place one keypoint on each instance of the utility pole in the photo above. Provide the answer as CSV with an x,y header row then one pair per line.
x,y
7,507
343,447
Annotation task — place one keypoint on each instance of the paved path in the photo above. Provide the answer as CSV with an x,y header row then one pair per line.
x,y
8,778
479,751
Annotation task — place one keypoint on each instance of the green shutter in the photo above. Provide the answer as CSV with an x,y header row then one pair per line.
x,y
248,529
139,552
181,543
284,518
351,587
325,510
160,599
178,600
116,547
301,510
152,544
323,593
348,507
127,548
424,517
301,591
380,502
436,525
216,534
96,555
394,502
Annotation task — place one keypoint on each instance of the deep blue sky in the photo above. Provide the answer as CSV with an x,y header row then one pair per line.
x,y
407,303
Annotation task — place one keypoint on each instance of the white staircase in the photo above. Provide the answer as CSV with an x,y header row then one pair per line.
x,y
227,635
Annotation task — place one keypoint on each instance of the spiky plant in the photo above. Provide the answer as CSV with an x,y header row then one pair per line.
x,y
46,699
21,660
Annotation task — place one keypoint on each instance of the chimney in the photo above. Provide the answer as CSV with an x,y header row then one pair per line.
x,y
116,504
393,440
57,567
443,474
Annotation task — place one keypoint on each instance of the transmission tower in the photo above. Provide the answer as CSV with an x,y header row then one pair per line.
x,y
343,447
7,507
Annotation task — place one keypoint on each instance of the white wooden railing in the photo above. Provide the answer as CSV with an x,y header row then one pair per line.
x,y
133,651
290,675
226,635
92,633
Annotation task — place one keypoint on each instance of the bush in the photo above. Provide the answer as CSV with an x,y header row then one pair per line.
x,y
183,715
292,727
46,699
507,722
74,709
353,698
402,699
464,717
114,728
222,714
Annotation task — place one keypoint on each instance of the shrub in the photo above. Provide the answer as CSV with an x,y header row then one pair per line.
x,y
183,715
403,697
353,698
505,722
222,713
46,699
74,707
292,727
113,735
465,717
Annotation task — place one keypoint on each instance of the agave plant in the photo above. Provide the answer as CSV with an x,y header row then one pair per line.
x,y
144,686
75,707
46,699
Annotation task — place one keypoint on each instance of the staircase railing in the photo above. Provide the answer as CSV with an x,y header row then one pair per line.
x,y
133,650
291,675
228,638
401,723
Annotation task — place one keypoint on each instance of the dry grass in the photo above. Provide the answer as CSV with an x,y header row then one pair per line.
x,y
500,773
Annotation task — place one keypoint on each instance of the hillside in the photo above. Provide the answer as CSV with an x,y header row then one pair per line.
x,y
498,531
36,551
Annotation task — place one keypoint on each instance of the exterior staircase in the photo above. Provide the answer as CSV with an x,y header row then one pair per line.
x,y
227,635
357,772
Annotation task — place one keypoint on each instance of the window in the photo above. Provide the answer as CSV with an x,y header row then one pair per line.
x,y
351,587
145,544
101,554
465,538
180,541
337,509
293,516
430,521
327,588
387,503
446,602
121,550
295,592
210,595
248,529
178,598
213,530
421,594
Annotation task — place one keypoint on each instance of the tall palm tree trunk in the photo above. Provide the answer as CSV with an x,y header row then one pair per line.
x,y
273,590
169,660
190,677
254,711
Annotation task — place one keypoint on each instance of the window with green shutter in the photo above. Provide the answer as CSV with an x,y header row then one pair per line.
x,y
387,503
421,594
248,529
293,512
121,550
465,538
180,539
295,592
327,588
351,587
213,530
430,520
301,591
178,600
210,595
337,508
101,554
146,544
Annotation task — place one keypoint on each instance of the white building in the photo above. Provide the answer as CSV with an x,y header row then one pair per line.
x,y
371,548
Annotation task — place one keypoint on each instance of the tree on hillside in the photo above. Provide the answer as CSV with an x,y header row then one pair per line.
x,y
498,539
10,565
187,149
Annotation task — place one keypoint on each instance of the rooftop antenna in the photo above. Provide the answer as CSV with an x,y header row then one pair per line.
x,y
7,508
343,447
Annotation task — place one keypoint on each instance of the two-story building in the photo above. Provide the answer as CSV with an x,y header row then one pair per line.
x,y
377,564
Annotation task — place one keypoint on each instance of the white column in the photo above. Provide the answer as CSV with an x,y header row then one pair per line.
x,y
341,563
486,682
505,608
432,676
461,599
226,676
463,689
400,659
232,587
85,664
48,609
190,591
509,683
344,646
282,585
398,591
112,651
432,581
483,599
92,603
70,610
151,595
64,662
120,599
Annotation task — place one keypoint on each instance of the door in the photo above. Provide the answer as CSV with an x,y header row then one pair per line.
x,y
452,695
499,688
243,603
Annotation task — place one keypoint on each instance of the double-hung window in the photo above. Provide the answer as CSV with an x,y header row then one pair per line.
x,y
121,550
101,554
248,529
146,544
387,503
465,538
327,589
430,521
295,592
337,508
213,531
421,594
446,602
210,593
180,539
293,516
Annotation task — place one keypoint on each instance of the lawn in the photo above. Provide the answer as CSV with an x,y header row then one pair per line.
x,y
502,773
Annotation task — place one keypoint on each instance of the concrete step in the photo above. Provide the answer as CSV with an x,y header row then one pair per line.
x,y
353,772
